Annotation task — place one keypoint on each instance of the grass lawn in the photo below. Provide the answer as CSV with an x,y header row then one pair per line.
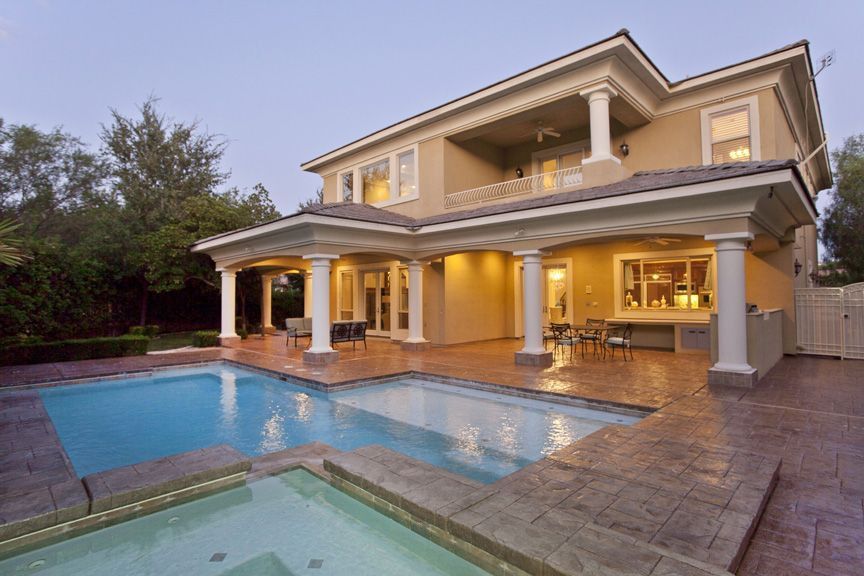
x,y
170,341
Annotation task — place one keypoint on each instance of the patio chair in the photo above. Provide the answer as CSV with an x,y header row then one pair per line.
x,y
622,341
348,331
593,336
563,336
298,328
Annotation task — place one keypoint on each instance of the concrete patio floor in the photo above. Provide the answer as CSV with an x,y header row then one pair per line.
x,y
807,411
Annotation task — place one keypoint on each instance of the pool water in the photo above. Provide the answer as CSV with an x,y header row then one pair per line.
x,y
480,435
282,525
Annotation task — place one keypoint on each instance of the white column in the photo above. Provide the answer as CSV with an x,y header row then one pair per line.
x,y
598,105
731,302
532,280
266,302
228,300
320,302
307,294
415,303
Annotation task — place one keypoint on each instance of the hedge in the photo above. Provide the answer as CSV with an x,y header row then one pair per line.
x,y
151,330
77,349
205,338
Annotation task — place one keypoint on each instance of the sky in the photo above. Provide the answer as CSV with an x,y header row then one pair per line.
x,y
283,82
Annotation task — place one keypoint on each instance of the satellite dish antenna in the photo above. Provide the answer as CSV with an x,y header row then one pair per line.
x,y
825,61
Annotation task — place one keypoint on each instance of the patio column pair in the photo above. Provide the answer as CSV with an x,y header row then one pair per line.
x,y
732,366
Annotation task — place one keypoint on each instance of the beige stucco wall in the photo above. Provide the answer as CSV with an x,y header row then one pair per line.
x,y
475,296
670,140
769,285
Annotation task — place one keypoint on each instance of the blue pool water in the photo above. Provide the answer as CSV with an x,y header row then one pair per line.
x,y
484,436
278,526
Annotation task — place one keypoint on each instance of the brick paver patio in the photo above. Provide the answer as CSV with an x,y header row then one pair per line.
x,y
808,412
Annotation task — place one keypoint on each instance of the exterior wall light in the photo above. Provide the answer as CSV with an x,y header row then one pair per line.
x,y
625,149
519,172
798,267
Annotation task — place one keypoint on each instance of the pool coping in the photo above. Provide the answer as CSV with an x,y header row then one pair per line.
x,y
311,383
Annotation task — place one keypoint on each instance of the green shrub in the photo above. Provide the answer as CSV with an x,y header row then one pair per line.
x,y
242,333
151,330
77,349
205,338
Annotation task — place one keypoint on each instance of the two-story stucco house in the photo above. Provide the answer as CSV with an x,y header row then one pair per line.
x,y
590,186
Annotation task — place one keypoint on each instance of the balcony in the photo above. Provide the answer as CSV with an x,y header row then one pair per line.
x,y
558,181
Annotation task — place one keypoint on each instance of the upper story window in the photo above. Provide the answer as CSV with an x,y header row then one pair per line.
x,y
407,179
375,181
382,182
730,132
347,186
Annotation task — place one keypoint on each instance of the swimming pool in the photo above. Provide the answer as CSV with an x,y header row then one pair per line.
x,y
483,436
277,526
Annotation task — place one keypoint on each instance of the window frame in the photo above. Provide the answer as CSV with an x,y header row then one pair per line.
x,y
752,105
679,315
394,198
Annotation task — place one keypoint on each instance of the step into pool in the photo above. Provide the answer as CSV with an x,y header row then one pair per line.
x,y
279,526
481,435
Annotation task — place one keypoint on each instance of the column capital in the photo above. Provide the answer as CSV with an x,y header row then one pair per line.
x,y
227,272
319,257
415,264
603,90
730,240
524,253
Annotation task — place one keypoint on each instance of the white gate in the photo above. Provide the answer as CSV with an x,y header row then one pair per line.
x,y
853,320
830,321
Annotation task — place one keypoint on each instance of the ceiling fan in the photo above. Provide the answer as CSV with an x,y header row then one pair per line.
x,y
541,131
658,240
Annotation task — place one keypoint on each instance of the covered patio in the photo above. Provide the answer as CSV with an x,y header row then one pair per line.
x,y
478,274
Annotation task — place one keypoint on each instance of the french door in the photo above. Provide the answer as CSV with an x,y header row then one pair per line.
x,y
376,302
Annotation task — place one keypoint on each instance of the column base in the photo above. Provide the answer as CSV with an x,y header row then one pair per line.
x,y
543,359
320,357
415,346
744,379
228,340
269,329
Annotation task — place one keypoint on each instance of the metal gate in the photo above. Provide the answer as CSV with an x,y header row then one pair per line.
x,y
830,321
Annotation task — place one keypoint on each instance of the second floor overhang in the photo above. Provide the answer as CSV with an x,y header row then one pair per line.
x,y
556,94
769,198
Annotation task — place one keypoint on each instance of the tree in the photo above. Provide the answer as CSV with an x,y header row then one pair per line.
x,y
48,181
316,200
156,166
842,230
168,262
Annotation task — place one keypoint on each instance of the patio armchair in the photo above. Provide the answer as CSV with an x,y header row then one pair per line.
x,y
298,328
620,339
563,336
593,336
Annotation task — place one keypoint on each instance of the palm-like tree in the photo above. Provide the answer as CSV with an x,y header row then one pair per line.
x,y
11,253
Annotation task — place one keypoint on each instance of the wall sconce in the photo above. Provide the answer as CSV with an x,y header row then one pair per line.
x,y
798,267
519,172
624,148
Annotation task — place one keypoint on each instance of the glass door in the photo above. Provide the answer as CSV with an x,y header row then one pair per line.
x,y
555,294
376,300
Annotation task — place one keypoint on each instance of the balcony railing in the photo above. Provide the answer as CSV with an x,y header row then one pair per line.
x,y
548,182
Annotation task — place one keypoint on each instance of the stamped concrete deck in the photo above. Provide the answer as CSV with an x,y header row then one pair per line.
x,y
808,412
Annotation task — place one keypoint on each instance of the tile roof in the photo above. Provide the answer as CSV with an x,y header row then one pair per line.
x,y
643,181
640,182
